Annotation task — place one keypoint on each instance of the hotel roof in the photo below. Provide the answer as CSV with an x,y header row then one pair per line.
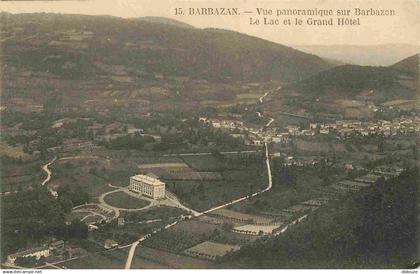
x,y
147,180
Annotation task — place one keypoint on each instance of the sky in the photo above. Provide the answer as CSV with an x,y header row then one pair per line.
x,y
404,27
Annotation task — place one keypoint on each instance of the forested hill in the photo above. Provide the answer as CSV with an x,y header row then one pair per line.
x,y
399,81
71,46
410,65
377,228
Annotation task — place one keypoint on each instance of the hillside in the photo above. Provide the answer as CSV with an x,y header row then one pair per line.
x,y
369,55
376,228
71,46
409,65
164,20
399,81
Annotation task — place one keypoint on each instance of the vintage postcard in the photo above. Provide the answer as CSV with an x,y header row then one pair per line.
x,y
209,134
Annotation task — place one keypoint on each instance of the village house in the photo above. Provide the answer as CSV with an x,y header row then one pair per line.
x,y
368,178
38,252
388,171
110,244
293,130
324,131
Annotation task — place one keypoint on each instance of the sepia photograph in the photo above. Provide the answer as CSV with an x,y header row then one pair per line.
x,y
209,134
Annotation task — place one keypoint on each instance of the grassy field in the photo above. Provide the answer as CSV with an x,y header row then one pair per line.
x,y
251,96
174,241
205,163
203,195
146,257
126,234
281,197
195,227
240,174
76,215
112,259
121,199
182,236
13,152
312,146
16,175
189,233
85,173
403,104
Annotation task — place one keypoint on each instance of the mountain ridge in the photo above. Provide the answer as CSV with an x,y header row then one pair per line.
x,y
398,81
141,45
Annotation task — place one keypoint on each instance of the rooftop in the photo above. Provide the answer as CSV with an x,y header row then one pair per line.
x,y
29,251
147,179
266,229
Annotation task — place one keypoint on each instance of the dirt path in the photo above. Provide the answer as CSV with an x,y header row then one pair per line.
x,y
48,171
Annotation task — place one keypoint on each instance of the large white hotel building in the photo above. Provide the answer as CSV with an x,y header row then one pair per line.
x,y
147,186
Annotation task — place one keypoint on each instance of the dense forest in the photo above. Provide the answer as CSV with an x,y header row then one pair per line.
x,y
376,228
30,217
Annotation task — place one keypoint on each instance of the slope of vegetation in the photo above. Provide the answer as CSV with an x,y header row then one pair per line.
x,y
30,217
377,228
145,47
348,81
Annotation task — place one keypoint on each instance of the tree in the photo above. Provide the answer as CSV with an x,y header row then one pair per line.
x,y
77,229
27,261
227,226
66,203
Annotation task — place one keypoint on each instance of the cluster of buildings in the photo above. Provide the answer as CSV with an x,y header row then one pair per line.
x,y
253,136
147,186
367,180
289,216
56,247
344,128
296,213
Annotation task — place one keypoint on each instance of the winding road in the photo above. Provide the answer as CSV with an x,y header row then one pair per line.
x,y
48,171
262,97
198,214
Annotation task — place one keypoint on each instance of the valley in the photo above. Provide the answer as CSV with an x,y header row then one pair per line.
x,y
256,144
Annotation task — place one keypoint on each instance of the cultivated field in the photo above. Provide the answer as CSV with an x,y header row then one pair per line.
x,y
236,216
13,152
153,257
112,259
210,250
